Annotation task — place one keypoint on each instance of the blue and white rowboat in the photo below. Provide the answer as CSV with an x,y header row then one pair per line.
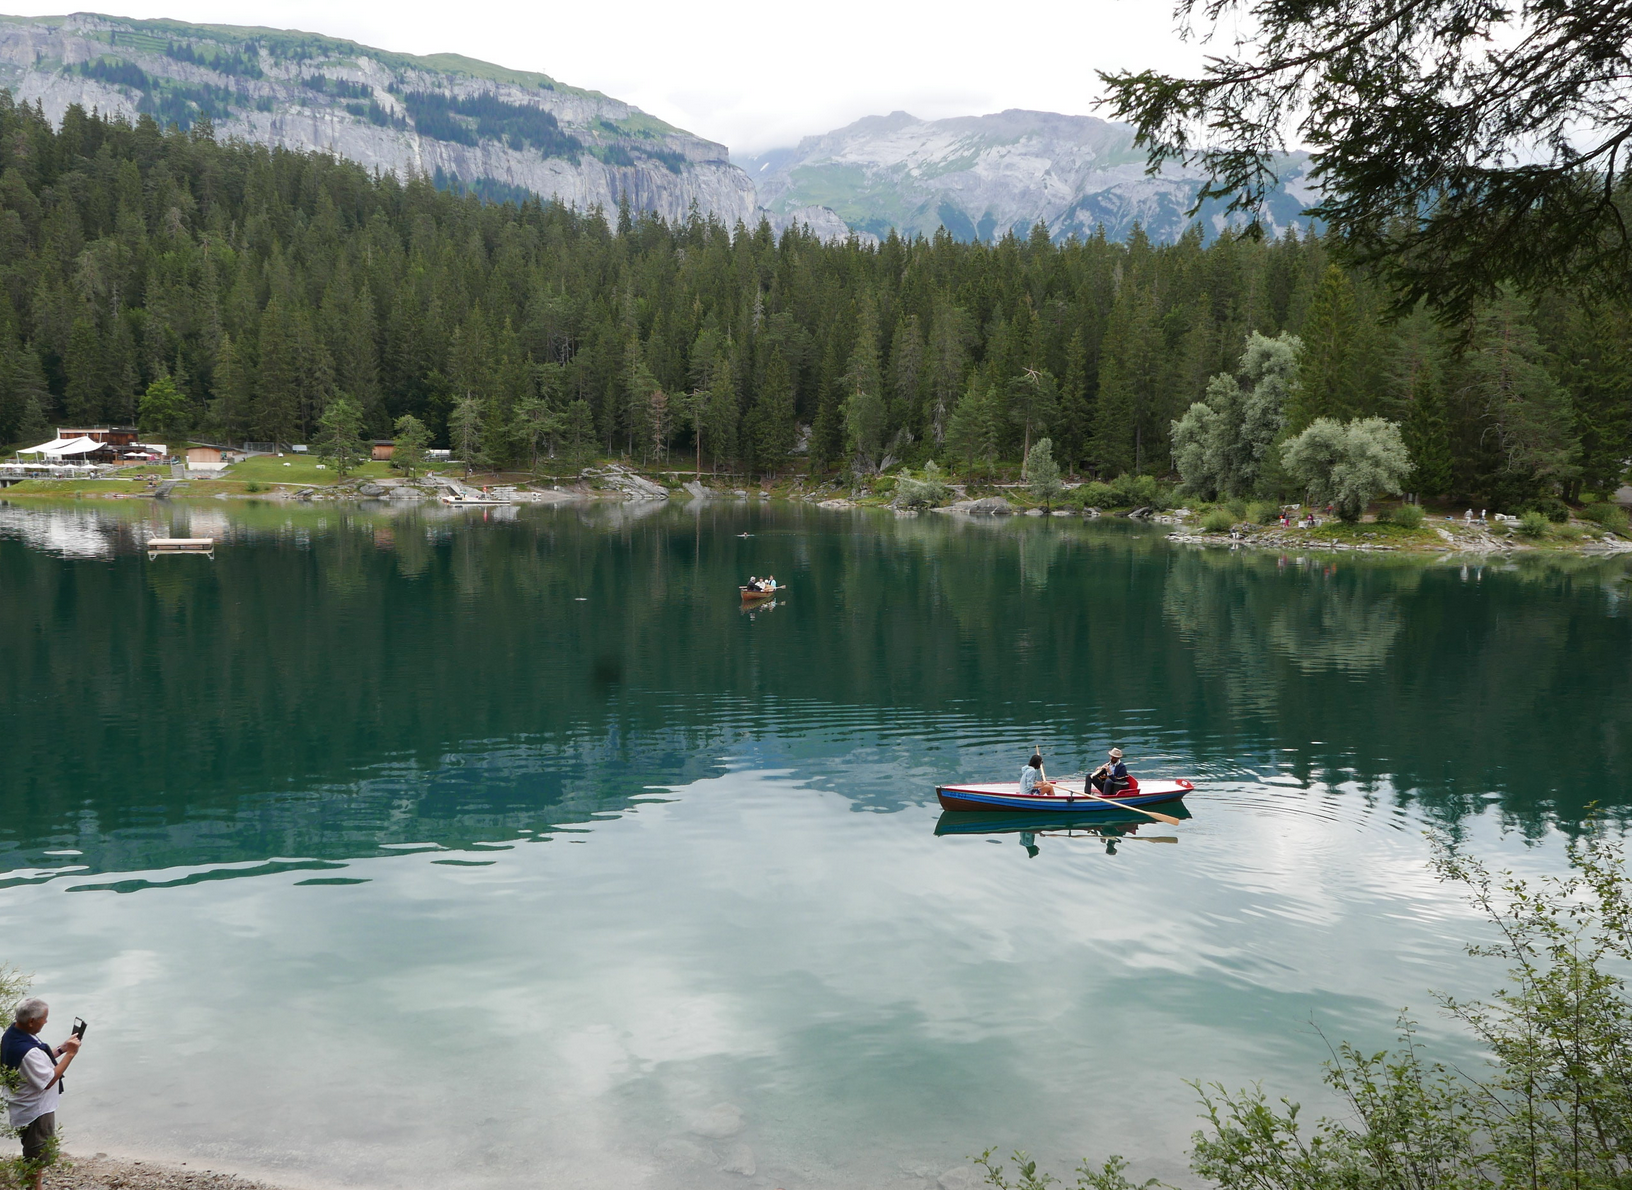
x,y
1006,795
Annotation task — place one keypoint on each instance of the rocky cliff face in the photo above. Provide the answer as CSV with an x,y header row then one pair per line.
x,y
980,176
494,130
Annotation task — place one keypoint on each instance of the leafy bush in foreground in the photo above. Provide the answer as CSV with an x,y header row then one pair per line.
x,y
1552,1108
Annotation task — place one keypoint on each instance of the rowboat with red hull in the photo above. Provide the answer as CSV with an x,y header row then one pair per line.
x,y
1006,795
753,595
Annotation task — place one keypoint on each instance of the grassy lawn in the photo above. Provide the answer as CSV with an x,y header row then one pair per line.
x,y
301,469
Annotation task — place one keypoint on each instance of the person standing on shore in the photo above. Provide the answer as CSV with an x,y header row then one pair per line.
x,y
38,1084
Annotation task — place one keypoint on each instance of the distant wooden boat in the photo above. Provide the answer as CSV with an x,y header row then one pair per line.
x,y
749,595
180,545
1006,795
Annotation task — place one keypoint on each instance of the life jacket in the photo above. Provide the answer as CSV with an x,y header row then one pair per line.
x,y
14,1047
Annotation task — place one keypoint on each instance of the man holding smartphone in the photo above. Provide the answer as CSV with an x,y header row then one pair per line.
x,y
34,1093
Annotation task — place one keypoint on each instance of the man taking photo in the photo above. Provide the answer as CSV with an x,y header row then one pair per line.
x,y
38,1085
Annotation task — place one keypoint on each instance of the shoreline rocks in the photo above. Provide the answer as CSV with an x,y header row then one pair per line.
x,y
102,1172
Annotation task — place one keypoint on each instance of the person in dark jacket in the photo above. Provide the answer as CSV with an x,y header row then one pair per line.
x,y
39,1082
1111,777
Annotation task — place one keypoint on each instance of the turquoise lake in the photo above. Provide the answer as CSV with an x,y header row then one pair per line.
x,y
432,847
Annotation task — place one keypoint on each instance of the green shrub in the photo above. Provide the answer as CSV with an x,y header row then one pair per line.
x,y
1554,509
1570,532
1141,491
928,492
254,485
1534,523
1217,520
1407,516
1608,516
1263,513
1096,495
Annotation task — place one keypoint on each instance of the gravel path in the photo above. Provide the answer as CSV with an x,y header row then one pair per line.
x,y
107,1173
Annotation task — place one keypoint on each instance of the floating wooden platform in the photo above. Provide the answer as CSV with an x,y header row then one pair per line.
x,y
180,545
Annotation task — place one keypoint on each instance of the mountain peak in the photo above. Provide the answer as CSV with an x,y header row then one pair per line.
x,y
462,121
982,176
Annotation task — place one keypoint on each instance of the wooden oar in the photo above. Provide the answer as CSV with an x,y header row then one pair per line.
x,y
1117,838
1083,792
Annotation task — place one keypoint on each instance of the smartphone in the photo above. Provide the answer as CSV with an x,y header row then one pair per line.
x,y
79,1028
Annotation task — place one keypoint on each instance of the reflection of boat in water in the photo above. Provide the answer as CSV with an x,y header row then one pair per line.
x,y
460,500
752,609
1110,824
1006,795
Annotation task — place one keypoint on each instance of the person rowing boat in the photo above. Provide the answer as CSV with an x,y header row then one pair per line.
x,y
1032,779
1110,778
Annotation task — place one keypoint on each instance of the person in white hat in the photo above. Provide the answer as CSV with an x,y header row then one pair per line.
x,y
1111,777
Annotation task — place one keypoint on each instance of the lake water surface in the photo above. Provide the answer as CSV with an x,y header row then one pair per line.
x,y
400,848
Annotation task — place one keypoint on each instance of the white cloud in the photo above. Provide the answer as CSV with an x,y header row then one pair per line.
x,y
758,76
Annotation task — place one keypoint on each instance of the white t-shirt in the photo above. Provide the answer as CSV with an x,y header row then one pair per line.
x,y
34,1098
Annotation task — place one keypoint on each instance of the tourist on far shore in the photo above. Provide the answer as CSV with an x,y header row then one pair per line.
x,y
34,1102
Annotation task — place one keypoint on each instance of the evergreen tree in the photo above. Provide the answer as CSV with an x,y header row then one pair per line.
x,y
412,438
1042,473
465,425
277,383
906,376
720,416
164,411
1329,379
23,392
950,333
1427,437
1075,420
533,423
234,388
340,431
87,382
578,429
1526,432
863,408
1129,384
769,427
972,431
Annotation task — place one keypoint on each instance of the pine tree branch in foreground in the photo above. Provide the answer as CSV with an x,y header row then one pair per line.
x,y
1462,145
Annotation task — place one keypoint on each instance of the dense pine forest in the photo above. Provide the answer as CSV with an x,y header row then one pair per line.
x,y
264,284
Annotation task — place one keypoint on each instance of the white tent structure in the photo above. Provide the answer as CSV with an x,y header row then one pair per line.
x,y
62,448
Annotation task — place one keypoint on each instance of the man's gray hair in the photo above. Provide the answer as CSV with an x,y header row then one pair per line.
x,y
31,1010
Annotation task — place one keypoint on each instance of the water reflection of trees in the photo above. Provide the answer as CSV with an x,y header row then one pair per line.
x,y
396,636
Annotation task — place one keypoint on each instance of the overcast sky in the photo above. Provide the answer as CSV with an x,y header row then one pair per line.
x,y
756,76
